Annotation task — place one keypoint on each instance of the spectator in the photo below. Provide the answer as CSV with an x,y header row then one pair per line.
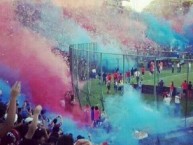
x,y
190,89
120,86
109,77
108,86
152,67
178,67
128,76
158,68
172,89
92,113
87,117
161,86
97,115
65,140
25,110
115,76
161,66
172,68
137,76
28,139
189,66
104,77
167,100
116,86
184,87
120,77
93,73
177,103
132,71
143,70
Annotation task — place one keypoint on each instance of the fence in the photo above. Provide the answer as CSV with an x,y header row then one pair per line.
x,y
89,69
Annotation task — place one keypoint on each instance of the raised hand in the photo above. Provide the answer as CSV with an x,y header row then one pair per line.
x,y
16,89
38,110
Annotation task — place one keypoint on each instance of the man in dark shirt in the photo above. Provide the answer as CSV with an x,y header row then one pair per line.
x,y
161,86
190,89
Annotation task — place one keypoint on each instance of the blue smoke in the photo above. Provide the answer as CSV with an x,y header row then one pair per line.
x,y
7,79
6,88
188,31
161,32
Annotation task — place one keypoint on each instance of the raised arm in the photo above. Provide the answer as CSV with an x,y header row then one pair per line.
x,y
33,125
11,110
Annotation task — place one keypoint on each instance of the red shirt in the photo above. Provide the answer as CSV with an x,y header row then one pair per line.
x,y
184,86
109,77
115,75
171,87
142,69
128,74
97,114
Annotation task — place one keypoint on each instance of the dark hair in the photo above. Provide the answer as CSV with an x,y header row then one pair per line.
x,y
92,107
52,139
2,109
39,133
80,137
55,121
96,107
65,140
56,129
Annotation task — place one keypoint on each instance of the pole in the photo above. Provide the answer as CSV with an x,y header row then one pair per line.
x,y
123,72
77,76
155,85
101,79
186,96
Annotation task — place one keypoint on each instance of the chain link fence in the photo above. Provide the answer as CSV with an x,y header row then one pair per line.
x,y
90,70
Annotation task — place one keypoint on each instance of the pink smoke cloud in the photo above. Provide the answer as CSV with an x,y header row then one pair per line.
x,y
30,54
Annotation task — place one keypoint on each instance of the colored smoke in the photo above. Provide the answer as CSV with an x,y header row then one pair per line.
x,y
30,57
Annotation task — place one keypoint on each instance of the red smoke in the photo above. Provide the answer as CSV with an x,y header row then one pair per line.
x,y
30,54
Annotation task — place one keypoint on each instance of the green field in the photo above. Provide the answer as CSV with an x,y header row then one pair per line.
x,y
98,91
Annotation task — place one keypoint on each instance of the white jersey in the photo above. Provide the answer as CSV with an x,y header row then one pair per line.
x,y
177,99
167,100
137,74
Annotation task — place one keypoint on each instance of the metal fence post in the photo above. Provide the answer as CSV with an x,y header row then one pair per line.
x,y
155,84
101,79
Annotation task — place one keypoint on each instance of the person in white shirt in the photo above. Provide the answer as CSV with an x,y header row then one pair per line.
x,y
137,75
178,67
167,100
189,65
177,101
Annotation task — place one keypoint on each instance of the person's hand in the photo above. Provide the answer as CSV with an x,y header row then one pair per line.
x,y
16,89
83,142
37,110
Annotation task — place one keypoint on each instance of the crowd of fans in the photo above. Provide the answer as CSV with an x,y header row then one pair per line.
x,y
30,126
